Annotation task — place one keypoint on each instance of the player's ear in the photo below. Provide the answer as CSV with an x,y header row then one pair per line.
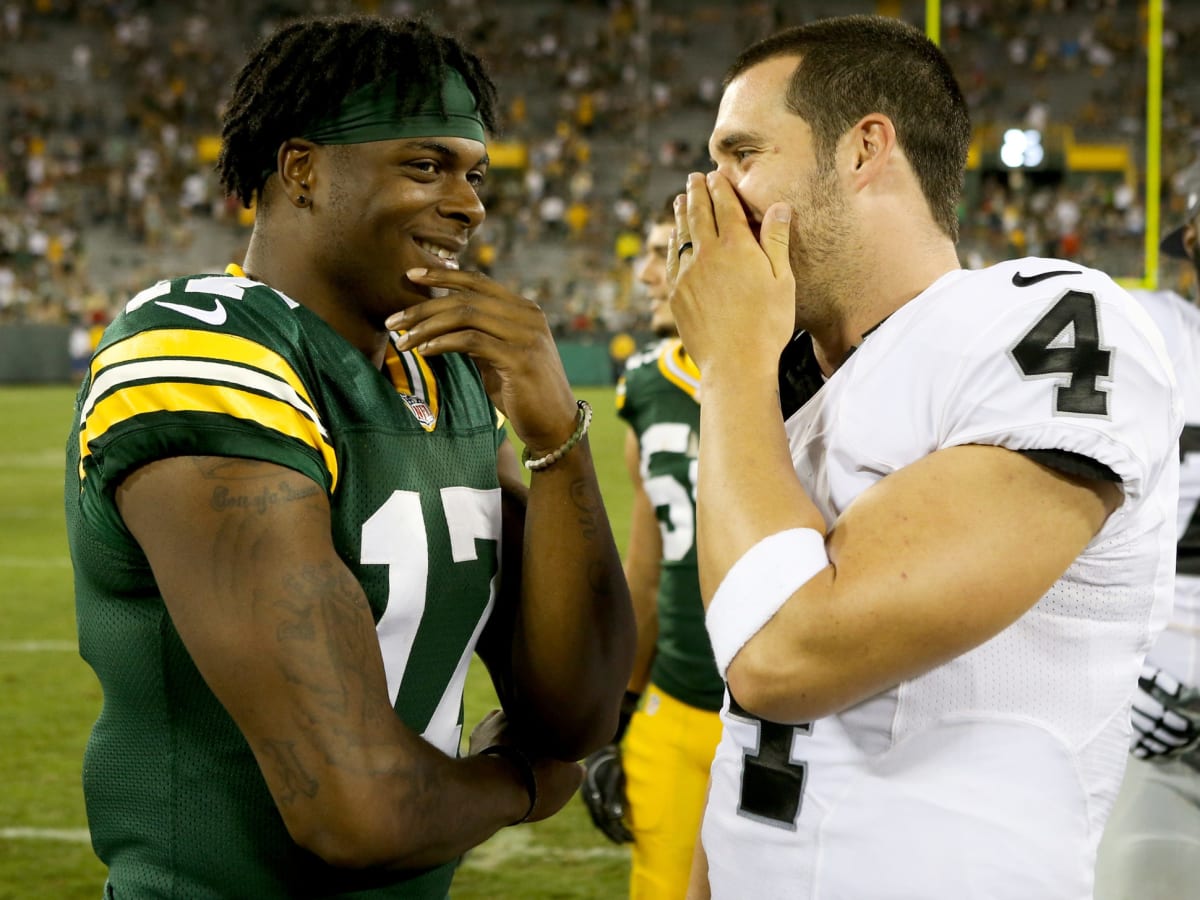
x,y
295,162
872,140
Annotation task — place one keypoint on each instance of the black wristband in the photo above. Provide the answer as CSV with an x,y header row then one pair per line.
x,y
629,705
524,768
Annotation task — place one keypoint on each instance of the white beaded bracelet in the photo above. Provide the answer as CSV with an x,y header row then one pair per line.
x,y
582,421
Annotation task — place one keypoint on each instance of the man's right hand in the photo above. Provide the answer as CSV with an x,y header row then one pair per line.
x,y
604,793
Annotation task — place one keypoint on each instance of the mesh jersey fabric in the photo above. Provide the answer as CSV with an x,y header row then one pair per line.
x,y
225,366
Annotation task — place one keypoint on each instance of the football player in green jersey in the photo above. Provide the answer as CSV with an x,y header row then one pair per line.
x,y
293,518
658,769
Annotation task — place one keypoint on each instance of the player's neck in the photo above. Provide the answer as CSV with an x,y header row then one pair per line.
x,y
295,278
896,271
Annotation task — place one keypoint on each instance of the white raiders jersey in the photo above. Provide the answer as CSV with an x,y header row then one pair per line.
x,y
990,776
1178,648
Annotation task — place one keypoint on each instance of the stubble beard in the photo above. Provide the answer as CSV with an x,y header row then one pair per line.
x,y
820,238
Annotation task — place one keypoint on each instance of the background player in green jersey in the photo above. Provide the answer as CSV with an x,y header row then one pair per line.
x,y
660,771
292,524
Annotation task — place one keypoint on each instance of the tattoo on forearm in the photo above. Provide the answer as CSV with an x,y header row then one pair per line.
x,y
600,578
589,507
293,778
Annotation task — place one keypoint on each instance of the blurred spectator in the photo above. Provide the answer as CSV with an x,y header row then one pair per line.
x,y
108,110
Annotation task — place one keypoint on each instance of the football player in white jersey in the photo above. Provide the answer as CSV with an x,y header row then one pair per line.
x,y
931,581
1151,846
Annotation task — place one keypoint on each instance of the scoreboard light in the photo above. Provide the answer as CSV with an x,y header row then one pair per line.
x,y
1022,149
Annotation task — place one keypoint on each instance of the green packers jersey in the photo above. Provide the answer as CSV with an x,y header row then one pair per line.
x,y
224,366
658,397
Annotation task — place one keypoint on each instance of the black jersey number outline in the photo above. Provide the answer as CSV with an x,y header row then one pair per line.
x,y
772,784
1187,555
1083,362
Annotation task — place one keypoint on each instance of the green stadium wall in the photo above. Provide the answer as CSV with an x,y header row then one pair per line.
x,y
34,354
37,354
587,363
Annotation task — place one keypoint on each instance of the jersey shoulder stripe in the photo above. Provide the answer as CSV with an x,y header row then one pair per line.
x,y
163,368
677,367
662,365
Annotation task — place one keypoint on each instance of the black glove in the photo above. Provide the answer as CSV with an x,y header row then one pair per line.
x,y
1166,718
604,793
603,785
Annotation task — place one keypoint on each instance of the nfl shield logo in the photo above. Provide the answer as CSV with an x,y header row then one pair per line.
x,y
421,410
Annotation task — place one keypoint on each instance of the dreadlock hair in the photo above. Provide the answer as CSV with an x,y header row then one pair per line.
x,y
856,65
305,70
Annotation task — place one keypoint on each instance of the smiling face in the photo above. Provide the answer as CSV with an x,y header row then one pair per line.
x,y
768,154
652,272
391,206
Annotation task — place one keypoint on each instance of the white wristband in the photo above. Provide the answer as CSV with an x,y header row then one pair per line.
x,y
757,585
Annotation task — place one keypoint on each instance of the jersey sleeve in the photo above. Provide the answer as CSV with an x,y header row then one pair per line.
x,y
1079,368
627,393
203,367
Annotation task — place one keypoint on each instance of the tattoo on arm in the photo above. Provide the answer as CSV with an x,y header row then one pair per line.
x,y
590,512
325,618
295,780
583,495
256,496
323,628
261,500
323,607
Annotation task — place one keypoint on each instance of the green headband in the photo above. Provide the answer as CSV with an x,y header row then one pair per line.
x,y
369,114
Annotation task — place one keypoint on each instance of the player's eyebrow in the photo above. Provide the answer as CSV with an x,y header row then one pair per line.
x,y
731,140
441,149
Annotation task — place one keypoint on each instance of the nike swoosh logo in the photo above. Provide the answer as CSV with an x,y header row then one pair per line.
x,y
1020,280
215,316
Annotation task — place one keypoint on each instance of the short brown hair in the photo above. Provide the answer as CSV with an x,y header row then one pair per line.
x,y
856,65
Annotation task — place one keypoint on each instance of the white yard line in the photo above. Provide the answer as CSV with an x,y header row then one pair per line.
x,y
517,844
35,562
31,512
45,459
38,646
62,835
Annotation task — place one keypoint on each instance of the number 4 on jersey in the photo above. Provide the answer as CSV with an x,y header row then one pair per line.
x,y
1065,344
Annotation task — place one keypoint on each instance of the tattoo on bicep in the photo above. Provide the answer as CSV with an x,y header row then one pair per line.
x,y
290,772
262,500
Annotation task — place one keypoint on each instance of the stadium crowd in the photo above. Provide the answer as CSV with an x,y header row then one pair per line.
x,y
107,111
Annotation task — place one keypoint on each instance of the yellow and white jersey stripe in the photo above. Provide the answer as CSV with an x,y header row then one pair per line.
x,y
175,376
677,367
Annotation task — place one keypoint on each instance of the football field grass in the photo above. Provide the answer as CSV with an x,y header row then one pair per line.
x,y
49,697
